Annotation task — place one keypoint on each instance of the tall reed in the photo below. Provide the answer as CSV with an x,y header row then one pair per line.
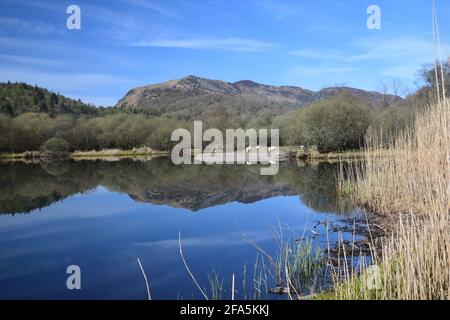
x,y
408,180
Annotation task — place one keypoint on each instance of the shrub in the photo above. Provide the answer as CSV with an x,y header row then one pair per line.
x,y
55,146
31,130
336,124
160,139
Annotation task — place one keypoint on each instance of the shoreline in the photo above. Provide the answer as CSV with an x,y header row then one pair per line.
x,y
288,152
85,155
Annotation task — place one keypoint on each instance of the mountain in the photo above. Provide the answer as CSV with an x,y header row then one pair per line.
x,y
199,98
189,98
18,98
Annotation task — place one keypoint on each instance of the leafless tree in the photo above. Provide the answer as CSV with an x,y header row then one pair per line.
x,y
397,86
383,88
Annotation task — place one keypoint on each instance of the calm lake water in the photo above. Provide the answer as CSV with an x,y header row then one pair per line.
x,y
102,215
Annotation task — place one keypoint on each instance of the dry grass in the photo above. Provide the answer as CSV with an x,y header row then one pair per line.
x,y
412,174
117,153
413,184
104,154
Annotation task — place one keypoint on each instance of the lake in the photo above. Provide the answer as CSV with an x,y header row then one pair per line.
x,y
103,215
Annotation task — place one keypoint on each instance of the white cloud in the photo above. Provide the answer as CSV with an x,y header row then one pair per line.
x,y
61,81
35,61
324,54
154,7
277,9
388,50
42,5
222,44
229,239
398,48
404,72
75,85
31,26
320,71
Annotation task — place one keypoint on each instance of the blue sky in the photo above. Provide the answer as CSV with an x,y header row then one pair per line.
x,y
124,44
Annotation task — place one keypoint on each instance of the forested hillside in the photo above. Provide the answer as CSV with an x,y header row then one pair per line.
x,y
19,98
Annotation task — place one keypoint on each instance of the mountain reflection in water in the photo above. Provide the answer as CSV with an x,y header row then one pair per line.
x,y
25,187
102,215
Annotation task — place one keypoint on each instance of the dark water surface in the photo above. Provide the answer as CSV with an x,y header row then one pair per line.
x,y
102,215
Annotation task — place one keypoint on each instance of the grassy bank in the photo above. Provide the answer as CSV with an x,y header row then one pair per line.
x,y
312,154
118,153
93,154
411,185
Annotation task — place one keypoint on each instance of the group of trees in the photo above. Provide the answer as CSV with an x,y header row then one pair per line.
x,y
340,123
38,131
19,98
334,124
33,118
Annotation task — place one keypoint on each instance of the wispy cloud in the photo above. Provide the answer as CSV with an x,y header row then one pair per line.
x,y
222,44
30,26
42,5
277,9
229,239
319,54
394,49
30,60
404,72
398,48
320,71
72,84
155,8
400,57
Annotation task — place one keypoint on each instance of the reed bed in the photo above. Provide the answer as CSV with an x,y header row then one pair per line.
x,y
408,179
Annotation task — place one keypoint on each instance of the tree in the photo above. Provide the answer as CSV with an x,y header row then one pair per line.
x,y
396,89
5,133
433,78
383,88
84,136
31,130
292,128
336,124
160,137
55,146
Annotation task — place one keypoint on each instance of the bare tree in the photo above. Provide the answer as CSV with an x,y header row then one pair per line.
x,y
383,88
397,86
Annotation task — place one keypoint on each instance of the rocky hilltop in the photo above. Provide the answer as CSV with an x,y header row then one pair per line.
x,y
194,97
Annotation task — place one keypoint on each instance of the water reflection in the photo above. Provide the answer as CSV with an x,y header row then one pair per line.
x,y
25,187
102,215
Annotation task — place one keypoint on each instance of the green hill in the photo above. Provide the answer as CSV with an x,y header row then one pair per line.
x,y
19,98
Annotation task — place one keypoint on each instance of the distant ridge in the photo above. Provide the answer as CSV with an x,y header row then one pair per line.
x,y
196,97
